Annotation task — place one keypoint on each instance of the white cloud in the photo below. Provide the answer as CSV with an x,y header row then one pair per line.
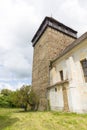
x,y
7,85
74,15
14,35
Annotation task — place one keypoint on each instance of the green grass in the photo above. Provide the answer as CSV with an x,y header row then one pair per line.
x,y
14,119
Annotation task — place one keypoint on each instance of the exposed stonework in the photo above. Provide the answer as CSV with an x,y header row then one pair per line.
x,y
50,44
65,98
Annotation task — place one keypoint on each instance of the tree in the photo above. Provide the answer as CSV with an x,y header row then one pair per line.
x,y
13,101
26,96
6,92
33,100
23,96
4,101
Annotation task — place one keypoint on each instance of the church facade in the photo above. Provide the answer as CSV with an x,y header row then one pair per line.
x,y
60,67
68,78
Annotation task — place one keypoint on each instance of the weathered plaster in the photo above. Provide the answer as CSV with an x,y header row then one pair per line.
x,y
72,70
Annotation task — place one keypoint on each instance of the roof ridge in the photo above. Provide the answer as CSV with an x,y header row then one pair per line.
x,y
53,23
51,18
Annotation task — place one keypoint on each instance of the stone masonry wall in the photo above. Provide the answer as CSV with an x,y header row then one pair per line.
x,y
49,46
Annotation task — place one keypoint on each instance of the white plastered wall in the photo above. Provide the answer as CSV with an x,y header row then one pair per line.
x,y
56,99
72,70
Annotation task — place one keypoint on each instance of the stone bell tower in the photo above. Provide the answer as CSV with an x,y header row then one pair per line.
x,y
50,40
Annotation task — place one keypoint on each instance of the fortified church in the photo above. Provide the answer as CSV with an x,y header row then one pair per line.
x,y
59,74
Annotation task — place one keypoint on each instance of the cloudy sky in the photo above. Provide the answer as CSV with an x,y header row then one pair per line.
x,y
19,20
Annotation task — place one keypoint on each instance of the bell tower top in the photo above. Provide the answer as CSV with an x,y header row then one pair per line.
x,y
52,23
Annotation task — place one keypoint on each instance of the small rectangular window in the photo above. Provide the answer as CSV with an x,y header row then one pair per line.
x,y
84,67
61,75
55,89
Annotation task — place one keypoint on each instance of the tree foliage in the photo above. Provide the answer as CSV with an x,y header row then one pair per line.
x,y
27,97
6,92
24,97
6,98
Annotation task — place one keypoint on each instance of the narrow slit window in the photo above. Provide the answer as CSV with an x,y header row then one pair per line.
x,y
84,67
61,75
55,89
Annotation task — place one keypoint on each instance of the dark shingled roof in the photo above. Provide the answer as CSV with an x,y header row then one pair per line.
x,y
51,22
71,46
